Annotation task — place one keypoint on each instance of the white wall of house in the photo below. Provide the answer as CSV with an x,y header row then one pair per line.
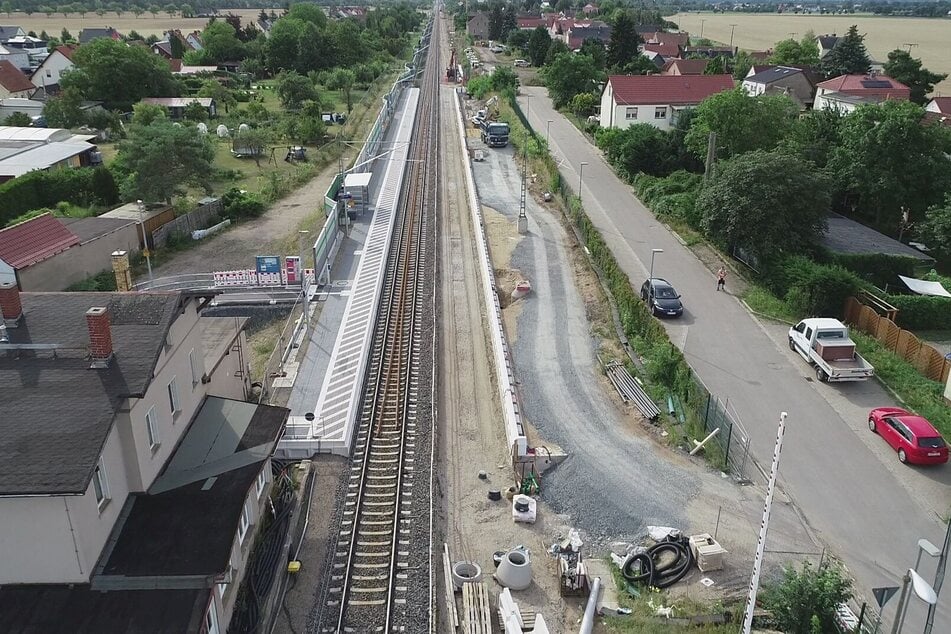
x,y
822,103
624,116
753,88
52,70
229,379
58,539
933,106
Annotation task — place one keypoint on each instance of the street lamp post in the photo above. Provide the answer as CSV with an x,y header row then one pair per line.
x,y
653,253
922,589
145,242
548,132
580,175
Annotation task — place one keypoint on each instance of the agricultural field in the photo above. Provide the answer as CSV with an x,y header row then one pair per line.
x,y
144,25
759,31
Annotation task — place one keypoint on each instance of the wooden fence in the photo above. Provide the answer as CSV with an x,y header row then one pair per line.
x,y
928,361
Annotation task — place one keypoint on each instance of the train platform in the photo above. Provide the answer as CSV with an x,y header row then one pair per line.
x,y
328,378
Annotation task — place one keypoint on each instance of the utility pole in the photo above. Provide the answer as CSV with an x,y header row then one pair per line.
x,y
732,28
764,527
701,28
909,45
939,578
711,156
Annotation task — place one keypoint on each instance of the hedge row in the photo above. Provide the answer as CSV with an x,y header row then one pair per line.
x,y
810,288
880,269
922,312
82,186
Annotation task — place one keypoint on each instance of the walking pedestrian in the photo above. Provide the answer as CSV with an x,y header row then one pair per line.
x,y
721,279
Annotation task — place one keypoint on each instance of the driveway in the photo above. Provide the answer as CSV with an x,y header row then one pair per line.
x,y
869,509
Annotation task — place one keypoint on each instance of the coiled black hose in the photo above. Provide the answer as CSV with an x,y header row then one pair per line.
x,y
647,567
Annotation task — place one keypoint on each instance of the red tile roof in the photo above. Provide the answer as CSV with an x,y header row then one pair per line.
x,y
867,86
666,50
532,23
685,66
34,240
667,89
943,104
13,79
664,37
67,51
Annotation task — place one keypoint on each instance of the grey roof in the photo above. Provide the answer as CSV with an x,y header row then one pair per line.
x,y
185,525
88,35
828,41
63,609
9,31
845,236
55,412
90,228
772,74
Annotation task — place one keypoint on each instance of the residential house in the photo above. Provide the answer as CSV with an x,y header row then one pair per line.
x,y
88,35
50,254
590,9
163,48
180,69
826,43
577,35
13,83
667,51
8,32
478,26
797,83
848,92
34,48
133,475
264,25
655,99
30,107
530,23
24,150
665,37
710,51
684,67
941,105
193,41
176,105
46,77
18,57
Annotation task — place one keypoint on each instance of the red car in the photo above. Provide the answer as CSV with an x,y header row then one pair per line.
x,y
912,436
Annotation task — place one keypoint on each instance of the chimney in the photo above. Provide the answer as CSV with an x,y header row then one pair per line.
x,y
10,307
100,336
120,268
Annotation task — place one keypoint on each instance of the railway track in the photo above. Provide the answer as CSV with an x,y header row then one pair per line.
x,y
380,579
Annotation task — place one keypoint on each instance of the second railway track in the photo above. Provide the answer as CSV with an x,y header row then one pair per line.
x,y
380,578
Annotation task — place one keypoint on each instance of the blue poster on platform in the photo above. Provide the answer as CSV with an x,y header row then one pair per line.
x,y
268,264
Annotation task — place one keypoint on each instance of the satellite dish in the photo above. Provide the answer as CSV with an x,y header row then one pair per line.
x,y
244,127
202,128
222,131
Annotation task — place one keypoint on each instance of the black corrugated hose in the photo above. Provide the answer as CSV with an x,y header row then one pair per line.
x,y
262,566
647,568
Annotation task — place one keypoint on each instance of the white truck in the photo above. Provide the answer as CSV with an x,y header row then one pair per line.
x,y
825,344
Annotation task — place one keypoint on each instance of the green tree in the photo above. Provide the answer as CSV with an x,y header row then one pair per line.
x,y
19,120
596,51
161,160
306,130
716,66
902,67
171,10
196,112
789,52
815,136
518,40
742,64
283,44
639,148
223,96
65,36
805,601
767,203
308,12
583,104
65,110
888,160
119,75
220,43
342,79
136,9
557,48
935,229
504,78
104,188
848,56
622,47
145,114
293,89
315,50
187,10
253,141
568,75
742,123
176,47
538,43
155,10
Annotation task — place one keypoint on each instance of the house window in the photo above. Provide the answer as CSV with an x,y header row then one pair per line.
x,y
630,112
151,424
262,482
173,401
211,620
100,484
49,73
193,364
244,524
660,113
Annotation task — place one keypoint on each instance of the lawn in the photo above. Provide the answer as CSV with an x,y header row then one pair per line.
x,y
761,31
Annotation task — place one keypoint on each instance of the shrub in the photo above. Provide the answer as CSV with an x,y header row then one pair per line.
x,y
479,86
922,312
805,601
810,288
46,189
879,269
238,204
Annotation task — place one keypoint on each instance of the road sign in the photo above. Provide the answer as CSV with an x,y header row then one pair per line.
x,y
882,595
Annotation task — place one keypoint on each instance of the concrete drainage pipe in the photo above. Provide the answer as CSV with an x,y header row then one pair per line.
x,y
465,571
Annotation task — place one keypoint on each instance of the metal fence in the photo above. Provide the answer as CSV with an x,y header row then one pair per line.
x,y
713,413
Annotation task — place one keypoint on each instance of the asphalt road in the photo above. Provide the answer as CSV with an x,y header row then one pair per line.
x,y
867,508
